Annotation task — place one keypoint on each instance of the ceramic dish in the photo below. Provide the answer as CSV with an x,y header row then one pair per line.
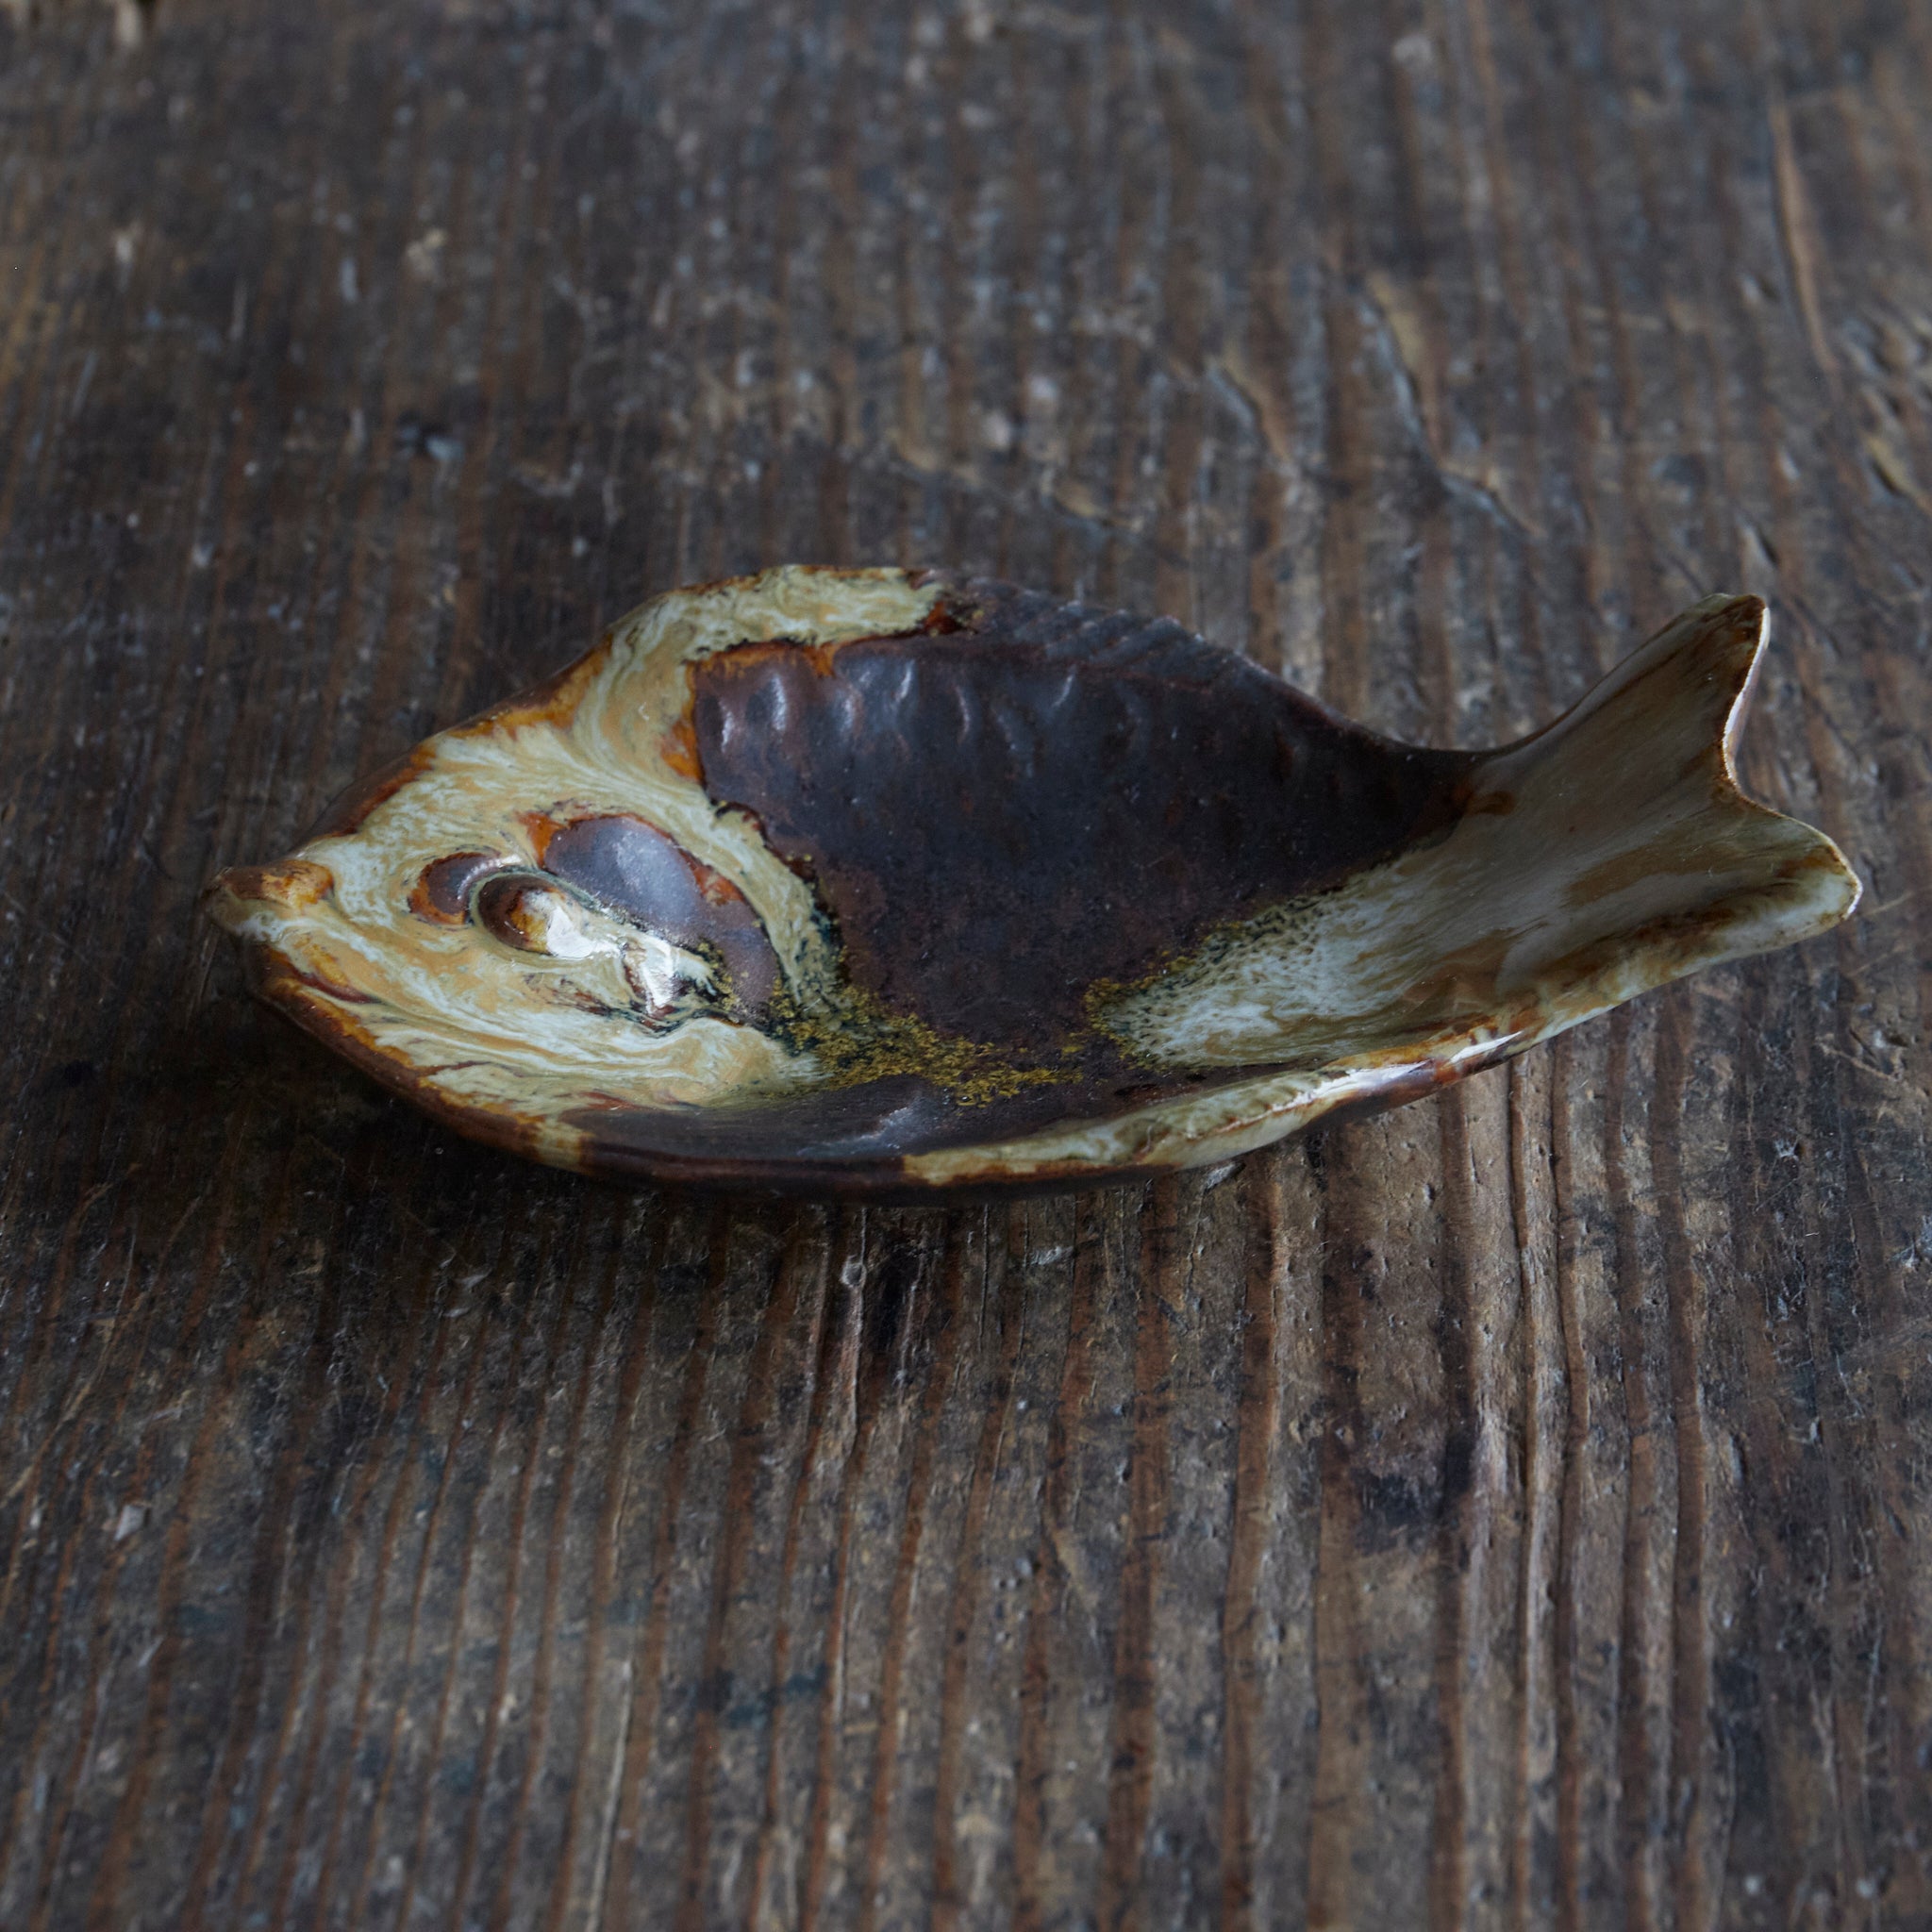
x,y
883,883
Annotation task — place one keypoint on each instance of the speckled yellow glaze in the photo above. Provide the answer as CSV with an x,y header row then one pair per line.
x,y
1604,857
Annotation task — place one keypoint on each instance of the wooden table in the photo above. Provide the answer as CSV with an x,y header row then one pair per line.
x,y
1512,1510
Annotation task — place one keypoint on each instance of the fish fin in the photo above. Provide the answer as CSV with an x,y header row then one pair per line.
x,y
1678,699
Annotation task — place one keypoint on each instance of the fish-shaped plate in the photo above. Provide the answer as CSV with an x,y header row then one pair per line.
x,y
884,883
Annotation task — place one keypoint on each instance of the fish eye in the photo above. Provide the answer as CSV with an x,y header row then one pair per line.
x,y
533,915
530,914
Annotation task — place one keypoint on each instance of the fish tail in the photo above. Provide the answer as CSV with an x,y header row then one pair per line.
x,y
1629,813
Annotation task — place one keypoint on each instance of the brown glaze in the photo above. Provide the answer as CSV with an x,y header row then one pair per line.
x,y
1047,797
878,1121
883,884
442,891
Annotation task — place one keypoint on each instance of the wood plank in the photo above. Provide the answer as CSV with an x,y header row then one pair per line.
x,y
1510,1511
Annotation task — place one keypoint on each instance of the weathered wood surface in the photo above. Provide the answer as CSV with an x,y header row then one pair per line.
x,y
1510,1512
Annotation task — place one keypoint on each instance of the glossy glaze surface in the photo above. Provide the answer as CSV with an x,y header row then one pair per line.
x,y
879,882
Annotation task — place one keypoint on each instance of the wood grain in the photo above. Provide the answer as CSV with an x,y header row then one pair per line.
x,y
1512,1512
